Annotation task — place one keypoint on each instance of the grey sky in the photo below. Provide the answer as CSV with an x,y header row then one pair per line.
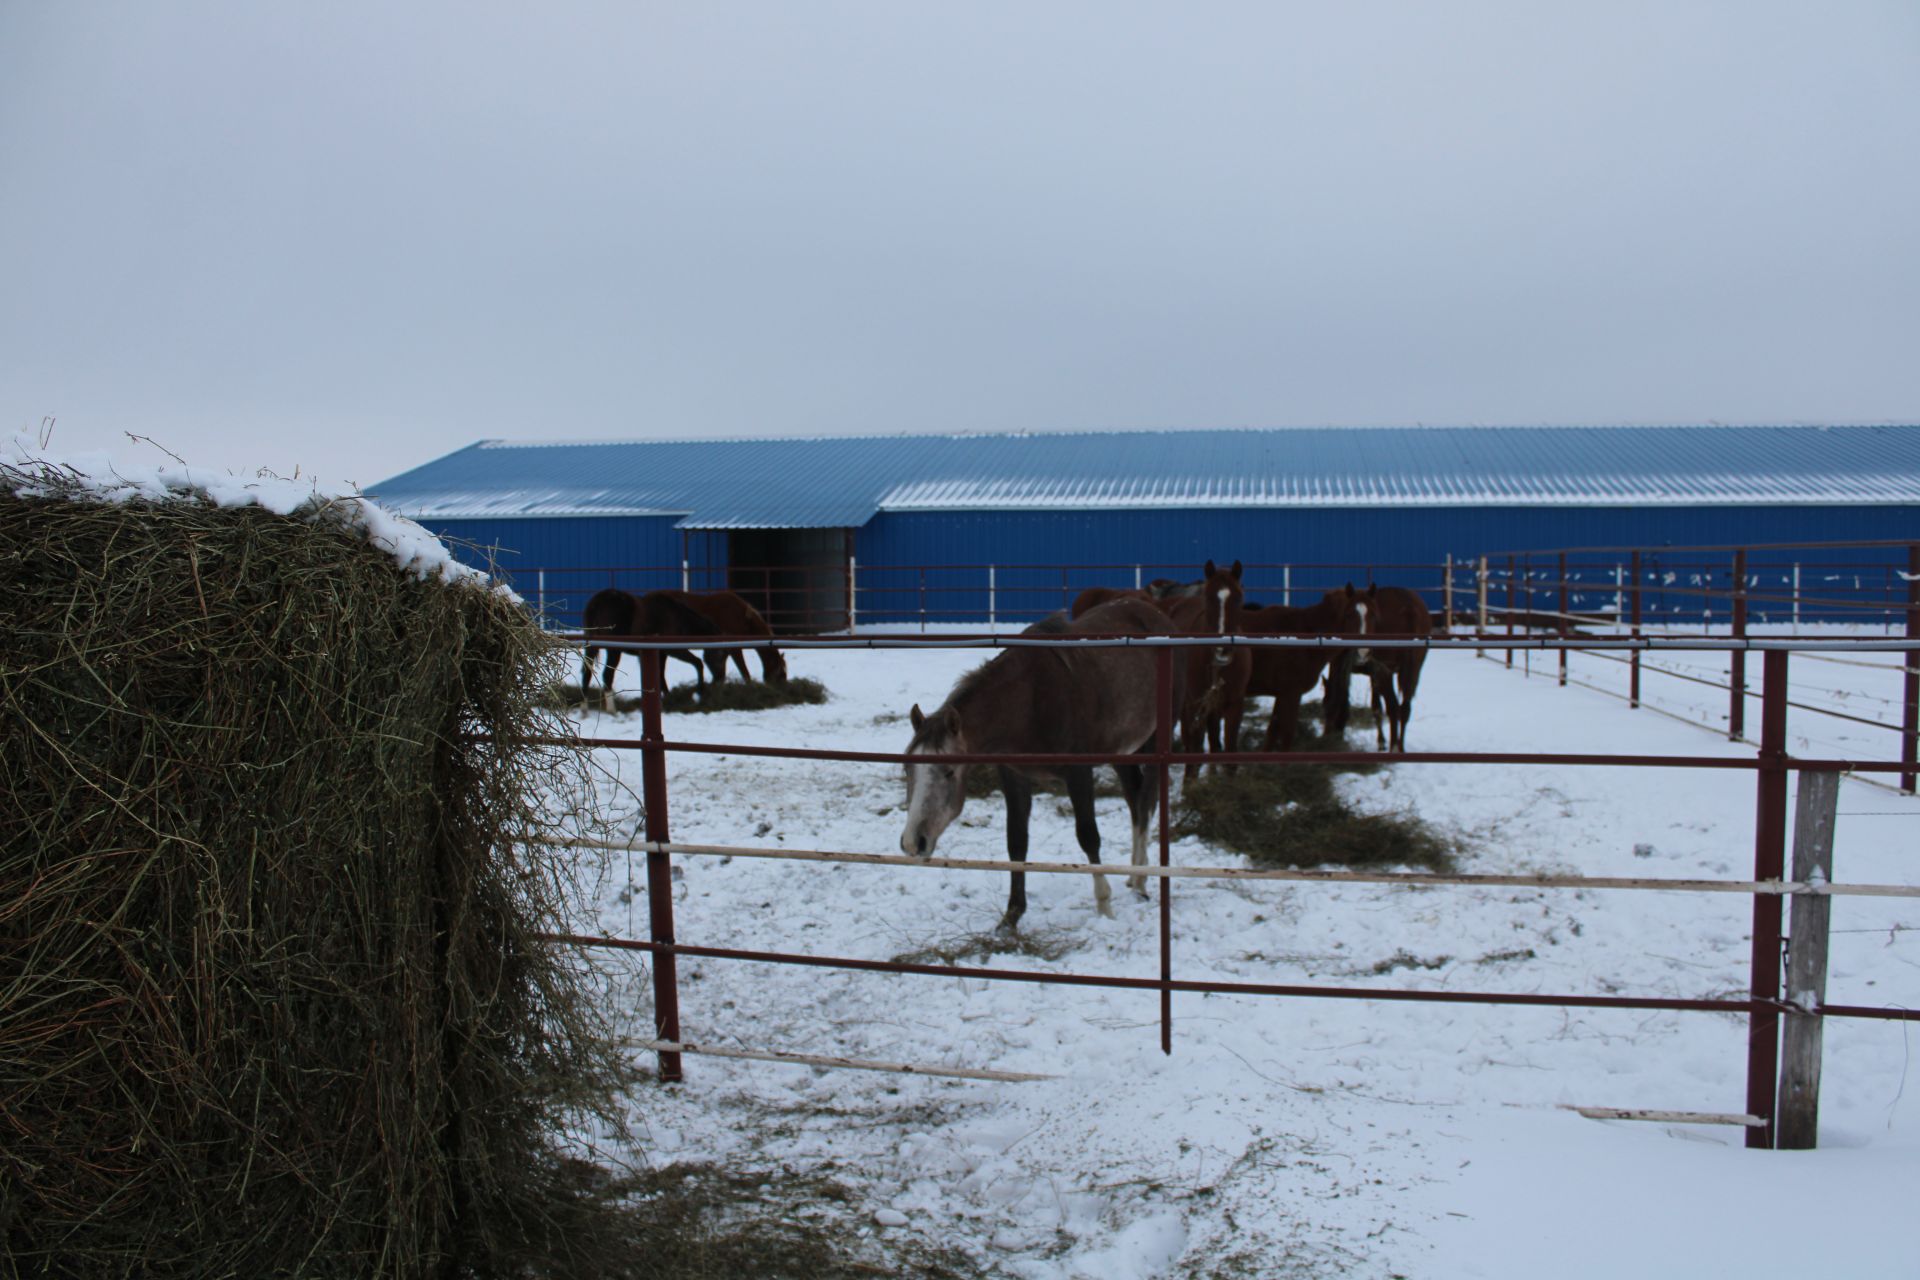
x,y
356,236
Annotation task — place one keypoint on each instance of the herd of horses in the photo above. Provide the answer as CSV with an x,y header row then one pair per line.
x,y
614,614
1071,700
1099,701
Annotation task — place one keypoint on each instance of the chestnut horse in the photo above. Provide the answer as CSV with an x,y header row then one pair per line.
x,y
1396,612
1161,591
1287,675
1043,701
619,614
1216,678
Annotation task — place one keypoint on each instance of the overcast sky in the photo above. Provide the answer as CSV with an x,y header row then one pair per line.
x,y
354,237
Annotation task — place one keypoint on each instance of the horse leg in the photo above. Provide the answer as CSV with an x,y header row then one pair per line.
x,y
1141,786
1382,710
606,679
1384,692
1236,707
1080,792
717,663
1019,793
1285,719
586,673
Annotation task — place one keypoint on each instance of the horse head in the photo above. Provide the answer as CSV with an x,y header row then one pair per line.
x,y
935,791
1224,596
773,665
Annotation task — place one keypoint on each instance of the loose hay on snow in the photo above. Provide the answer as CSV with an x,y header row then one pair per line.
x,y
271,996
1293,815
734,695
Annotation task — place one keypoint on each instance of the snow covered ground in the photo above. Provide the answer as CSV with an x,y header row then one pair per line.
x,y
1289,1137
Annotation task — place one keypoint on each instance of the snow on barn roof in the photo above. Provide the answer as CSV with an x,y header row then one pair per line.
x,y
842,482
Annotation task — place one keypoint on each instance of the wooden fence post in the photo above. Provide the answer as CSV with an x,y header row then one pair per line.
x,y
653,783
1769,863
1798,1119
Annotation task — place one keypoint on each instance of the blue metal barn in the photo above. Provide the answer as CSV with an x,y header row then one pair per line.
x,y
938,529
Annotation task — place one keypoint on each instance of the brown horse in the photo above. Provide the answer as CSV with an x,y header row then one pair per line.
x,y
1216,679
1045,700
1396,612
1161,591
1287,675
732,616
621,615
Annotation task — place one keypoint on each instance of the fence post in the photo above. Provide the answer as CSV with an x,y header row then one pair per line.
x,y
1510,585
993,592
1446,595
540,597
1769,863
653,783
853,593
1286,586
686,575
1633,657
1480,593
923,599
1619,594
1136,577
1796,595
1563,618
1814,817
1737,659
1910,699
1163,744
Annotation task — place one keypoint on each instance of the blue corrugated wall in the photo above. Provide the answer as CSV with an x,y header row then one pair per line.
x,y
899,552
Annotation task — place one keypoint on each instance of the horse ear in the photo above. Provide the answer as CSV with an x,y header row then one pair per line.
x,y
950,720
918,717
1373,589
1351,592
1236,571
1210,569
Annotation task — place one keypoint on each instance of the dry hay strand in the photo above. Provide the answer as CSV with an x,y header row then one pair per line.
x,y
272,998
1293,815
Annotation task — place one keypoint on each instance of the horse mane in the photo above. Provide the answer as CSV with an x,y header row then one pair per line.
x,y
1054,624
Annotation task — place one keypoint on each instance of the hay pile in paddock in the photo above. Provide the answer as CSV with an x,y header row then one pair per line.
x,y
1293,815
271,1001
733,695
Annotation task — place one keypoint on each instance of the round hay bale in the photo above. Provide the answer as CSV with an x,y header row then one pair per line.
x,y
271,996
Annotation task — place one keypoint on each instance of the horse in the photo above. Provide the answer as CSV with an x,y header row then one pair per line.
x,y
1216,679
1396,612
1287,675
621,615
731,615
1161,591
1045,700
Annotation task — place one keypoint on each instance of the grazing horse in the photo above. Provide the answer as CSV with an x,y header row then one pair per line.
x,y
1216,679
1287,675
1045,700
1396,612
731,615
621,615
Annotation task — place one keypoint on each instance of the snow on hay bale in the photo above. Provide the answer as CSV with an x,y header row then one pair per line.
x,y
271,999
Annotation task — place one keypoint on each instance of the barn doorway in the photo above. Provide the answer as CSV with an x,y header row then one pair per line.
x,y
796,578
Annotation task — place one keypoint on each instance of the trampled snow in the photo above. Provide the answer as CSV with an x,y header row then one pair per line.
x,y
1289,1136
